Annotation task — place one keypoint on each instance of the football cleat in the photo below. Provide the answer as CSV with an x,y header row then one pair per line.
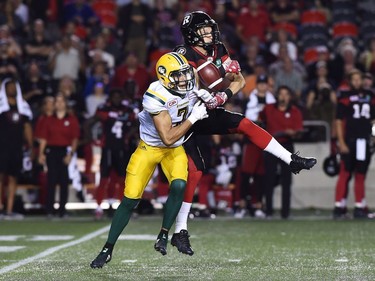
x,y
104,257
362,213
299,163
340,213
182,243
161,244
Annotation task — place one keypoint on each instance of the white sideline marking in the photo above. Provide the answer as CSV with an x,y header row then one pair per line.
x,y
53,250
50,237
234,260
8,249
342,260
129,261
10,237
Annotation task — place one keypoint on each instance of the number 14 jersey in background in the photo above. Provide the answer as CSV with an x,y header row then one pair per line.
x,y
357,110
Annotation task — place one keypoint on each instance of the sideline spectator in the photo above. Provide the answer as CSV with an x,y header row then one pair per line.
x,y
15,127
284,122
58,142
252,166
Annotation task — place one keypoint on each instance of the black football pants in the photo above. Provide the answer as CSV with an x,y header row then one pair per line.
x,y
57,174
278,172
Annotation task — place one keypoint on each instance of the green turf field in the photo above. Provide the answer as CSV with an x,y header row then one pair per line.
x,y
226,249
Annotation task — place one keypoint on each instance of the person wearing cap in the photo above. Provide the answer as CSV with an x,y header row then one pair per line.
x,y
283,121
252,164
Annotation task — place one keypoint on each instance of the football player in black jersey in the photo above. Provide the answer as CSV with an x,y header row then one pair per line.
x,y
202,41
355,115
119,125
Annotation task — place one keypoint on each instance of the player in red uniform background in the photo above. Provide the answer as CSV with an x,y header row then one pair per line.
x,y
202,42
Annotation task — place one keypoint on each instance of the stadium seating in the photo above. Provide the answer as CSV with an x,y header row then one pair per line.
x,y
288,27
345,29
313,17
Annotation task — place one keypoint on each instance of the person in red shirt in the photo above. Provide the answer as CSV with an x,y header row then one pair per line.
x,y
253,21
284,122
58,142
132,71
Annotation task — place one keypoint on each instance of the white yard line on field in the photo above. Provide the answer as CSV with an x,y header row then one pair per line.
x,y
53,250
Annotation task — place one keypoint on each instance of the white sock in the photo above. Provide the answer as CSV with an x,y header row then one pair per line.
x,y
275,148
182,217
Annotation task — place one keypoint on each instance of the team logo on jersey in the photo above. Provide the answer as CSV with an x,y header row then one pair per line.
x,y
218,62
172,103
15,117
181,51
162,71
66,123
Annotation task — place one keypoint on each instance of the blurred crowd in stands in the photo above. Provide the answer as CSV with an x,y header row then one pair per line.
x,y
84,49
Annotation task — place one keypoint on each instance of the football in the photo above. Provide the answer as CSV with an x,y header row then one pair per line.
x,y
210,77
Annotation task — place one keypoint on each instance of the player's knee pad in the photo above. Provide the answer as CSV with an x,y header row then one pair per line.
x,y
178,187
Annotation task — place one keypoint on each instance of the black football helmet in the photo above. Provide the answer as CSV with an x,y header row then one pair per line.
x,y
194,21
331,165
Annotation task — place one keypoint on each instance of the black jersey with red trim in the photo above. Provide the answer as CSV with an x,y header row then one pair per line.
x,y
357,110
12,128
218,55
116,122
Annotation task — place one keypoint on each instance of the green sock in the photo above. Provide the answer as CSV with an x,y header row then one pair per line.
x,y
174,202
121,218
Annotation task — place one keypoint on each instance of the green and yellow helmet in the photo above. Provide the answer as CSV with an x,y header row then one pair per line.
x,y
175,73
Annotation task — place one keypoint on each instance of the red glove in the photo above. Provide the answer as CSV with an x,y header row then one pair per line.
x,y
233,67
219,99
